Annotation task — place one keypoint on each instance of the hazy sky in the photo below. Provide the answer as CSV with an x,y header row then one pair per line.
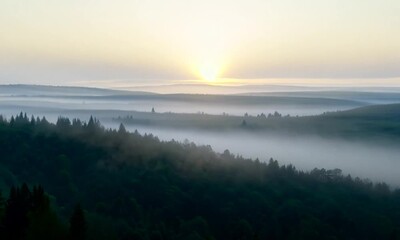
x,y
97,42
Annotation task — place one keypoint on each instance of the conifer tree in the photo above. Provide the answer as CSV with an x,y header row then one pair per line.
x,y
77,230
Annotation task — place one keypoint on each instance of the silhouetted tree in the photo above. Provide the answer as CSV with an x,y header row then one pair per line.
x,y
277,114
172,190
121,128
16,213
2,209
78,227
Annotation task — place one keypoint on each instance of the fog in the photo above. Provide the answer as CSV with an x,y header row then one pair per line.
x,y
378,162
293,109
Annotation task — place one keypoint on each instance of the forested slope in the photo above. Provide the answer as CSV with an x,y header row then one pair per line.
x,y
137,187
370,123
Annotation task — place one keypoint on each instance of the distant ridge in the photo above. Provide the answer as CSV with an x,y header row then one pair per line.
x,y
251,89
348,93
217,89
49,90
385,112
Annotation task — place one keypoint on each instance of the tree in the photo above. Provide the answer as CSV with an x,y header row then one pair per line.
x,y
76,122
33,121
43,221
78,227
277,114
2,207
91,122
241,230
63,123
121,128
16,215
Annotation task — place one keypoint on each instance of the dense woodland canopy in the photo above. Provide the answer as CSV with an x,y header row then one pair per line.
x,y
112,184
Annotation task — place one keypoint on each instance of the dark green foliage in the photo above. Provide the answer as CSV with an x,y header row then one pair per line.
x,y
138,187
77,224
16,219
2,206
28,215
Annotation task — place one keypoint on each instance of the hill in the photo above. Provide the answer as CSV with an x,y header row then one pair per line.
x,y
56,91
390,112
367,95
367,123
137,187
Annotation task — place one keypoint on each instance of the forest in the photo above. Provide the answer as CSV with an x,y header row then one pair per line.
x,y
78,180
367,123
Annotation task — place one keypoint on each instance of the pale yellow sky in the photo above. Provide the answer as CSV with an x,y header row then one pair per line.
x,y
54,41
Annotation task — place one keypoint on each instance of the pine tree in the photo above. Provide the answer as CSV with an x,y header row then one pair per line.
x,y
16,213
121,128
77,229
2,206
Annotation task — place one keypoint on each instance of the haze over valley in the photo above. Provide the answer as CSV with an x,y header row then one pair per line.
x,y
200,120
322,130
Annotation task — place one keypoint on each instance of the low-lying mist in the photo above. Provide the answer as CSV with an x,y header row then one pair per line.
x,y
170,106
377,162
359,159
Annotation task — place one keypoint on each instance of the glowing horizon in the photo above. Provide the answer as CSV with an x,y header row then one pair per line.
x,y
170,41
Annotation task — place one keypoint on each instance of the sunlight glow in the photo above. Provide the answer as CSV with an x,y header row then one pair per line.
x,y
203,40
209,72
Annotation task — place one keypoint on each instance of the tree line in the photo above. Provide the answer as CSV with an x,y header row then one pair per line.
x,y
134,186
28,214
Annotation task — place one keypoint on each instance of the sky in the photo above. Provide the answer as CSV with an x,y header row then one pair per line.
x,y
148,42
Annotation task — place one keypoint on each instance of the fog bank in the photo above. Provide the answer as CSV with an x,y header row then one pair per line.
x,y
364,160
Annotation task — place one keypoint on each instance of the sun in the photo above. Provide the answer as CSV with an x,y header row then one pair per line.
x,y
209,72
